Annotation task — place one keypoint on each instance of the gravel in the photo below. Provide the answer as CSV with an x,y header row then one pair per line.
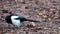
x,y
45,11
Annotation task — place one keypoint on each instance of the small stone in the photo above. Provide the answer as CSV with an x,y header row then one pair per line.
x,y
58,27
45,15
40,14
39,28
11,12
32,24
37,16
49,18
16,0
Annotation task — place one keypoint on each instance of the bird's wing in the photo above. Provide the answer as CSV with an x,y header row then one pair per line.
x,y
19,18
25,19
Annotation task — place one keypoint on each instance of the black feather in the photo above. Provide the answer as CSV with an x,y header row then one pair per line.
x,y
8,19
24,19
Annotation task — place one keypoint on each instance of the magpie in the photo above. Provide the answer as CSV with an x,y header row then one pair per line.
x,y
16,20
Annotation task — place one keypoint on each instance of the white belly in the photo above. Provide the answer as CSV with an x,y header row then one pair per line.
x,y
15,22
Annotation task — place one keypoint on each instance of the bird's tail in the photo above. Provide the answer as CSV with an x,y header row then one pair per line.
x,y
32,20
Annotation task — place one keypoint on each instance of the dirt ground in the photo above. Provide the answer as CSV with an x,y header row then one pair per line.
x,y
45,11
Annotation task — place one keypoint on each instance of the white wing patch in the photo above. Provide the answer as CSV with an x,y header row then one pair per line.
x,y
15,22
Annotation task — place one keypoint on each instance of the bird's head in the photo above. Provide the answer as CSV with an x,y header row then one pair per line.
x,y
8,18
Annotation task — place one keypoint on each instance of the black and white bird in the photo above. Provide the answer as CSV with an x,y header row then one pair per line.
x,y
16,20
